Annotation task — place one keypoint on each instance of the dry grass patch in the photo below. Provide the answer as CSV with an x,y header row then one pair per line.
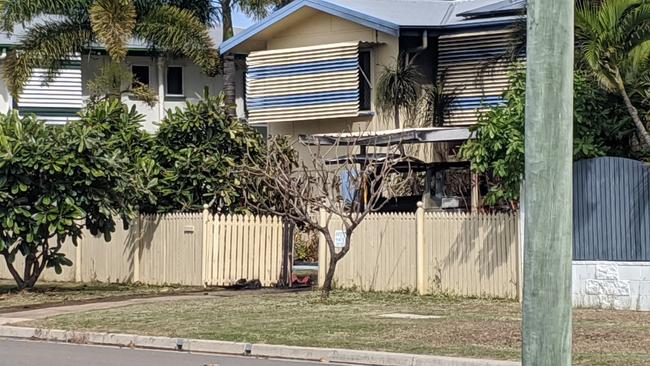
x,y
468,327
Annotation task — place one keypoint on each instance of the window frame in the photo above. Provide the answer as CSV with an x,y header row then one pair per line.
x,y
148,83
363,83
175,95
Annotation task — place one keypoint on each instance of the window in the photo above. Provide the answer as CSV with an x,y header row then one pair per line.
x,y
365,89
140,74
175,80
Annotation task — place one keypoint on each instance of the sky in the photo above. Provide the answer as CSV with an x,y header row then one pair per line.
x,y
241,21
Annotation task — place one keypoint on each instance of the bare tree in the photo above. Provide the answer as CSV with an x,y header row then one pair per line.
x,y
346,188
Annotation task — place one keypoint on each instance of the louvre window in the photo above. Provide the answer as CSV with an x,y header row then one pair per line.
x,y
56,101
467,62
301,84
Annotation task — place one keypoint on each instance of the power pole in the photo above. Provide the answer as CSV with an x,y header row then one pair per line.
x,y
548,184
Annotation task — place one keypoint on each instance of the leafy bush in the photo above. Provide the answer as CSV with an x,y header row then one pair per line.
x,y
601,127
122,128
53,182
201,151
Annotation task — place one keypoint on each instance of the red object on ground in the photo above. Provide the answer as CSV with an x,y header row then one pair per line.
x,y
295,280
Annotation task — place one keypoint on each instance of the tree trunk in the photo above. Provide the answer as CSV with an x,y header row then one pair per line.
x,y
229,68
32,269
644,136
398,125
329,277
14,273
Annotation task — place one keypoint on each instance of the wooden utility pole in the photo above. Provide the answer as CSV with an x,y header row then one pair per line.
x,y
548,184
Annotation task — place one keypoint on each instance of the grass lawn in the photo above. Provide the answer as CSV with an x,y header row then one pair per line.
x,y
55,293
467,327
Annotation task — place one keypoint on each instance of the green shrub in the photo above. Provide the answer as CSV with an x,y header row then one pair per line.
x,y
54,181
201,152
601,127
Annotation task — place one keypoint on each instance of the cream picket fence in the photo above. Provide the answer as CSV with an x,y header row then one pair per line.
x,y
196,249
243,247
451,253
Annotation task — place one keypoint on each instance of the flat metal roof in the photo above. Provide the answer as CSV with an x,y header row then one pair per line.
x,y
403,136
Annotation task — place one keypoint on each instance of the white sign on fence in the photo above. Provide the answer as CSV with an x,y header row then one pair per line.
x,y
339,239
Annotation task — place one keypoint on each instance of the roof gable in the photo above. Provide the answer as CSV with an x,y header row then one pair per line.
x,y
323,6
388,16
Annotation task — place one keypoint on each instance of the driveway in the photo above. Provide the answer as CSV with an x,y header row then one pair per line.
x,y
30,353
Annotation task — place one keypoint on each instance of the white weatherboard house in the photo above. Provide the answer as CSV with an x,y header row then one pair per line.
x,y
176,80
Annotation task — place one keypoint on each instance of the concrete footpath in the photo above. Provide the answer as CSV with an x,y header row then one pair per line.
x,y
9,331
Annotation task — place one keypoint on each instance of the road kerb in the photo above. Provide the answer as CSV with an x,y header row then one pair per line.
x,y
341,356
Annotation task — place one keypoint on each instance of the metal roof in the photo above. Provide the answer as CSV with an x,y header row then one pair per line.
x,y
505,7
389,137
11,39
388,16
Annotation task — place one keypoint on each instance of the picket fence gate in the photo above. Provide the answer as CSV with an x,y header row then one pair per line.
x,y
191,249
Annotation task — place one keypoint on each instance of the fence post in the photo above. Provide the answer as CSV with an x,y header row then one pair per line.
x,y
77,261
204,245
322,249
137,247
419,252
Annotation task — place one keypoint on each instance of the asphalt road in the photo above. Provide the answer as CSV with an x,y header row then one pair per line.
x,y
31,353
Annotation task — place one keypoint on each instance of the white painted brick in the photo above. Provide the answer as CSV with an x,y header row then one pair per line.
x,y
593,287
607,272
645,273
623,303
616,288
643,303
635,288
629,273
644,288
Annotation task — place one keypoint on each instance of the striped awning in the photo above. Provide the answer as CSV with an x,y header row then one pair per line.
x,y
472,74
301,84
58,101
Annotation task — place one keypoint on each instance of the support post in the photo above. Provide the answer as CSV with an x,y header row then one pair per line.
x,y
476,193
206,249
420,255
77,261
137,248
322,250
161,88
548,184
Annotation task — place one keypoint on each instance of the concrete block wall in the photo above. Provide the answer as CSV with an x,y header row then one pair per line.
x,y
612,285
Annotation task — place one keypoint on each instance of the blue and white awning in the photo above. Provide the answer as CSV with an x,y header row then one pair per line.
x,y
301,84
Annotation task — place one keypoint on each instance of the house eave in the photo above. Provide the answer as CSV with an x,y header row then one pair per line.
x,y
326,7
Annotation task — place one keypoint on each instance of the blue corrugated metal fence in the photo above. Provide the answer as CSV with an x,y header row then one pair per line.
x,y
611,215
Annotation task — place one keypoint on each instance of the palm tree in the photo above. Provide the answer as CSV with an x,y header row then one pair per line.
x,y
398,88
256,9
614,41
62,28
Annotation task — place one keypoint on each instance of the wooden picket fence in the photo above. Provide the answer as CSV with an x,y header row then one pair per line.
x,y
452,253
193,249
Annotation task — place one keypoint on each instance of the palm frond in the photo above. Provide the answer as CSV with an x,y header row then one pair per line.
x,y
437,102
113,22
398,86
257,9
49,46
20,11
179,32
